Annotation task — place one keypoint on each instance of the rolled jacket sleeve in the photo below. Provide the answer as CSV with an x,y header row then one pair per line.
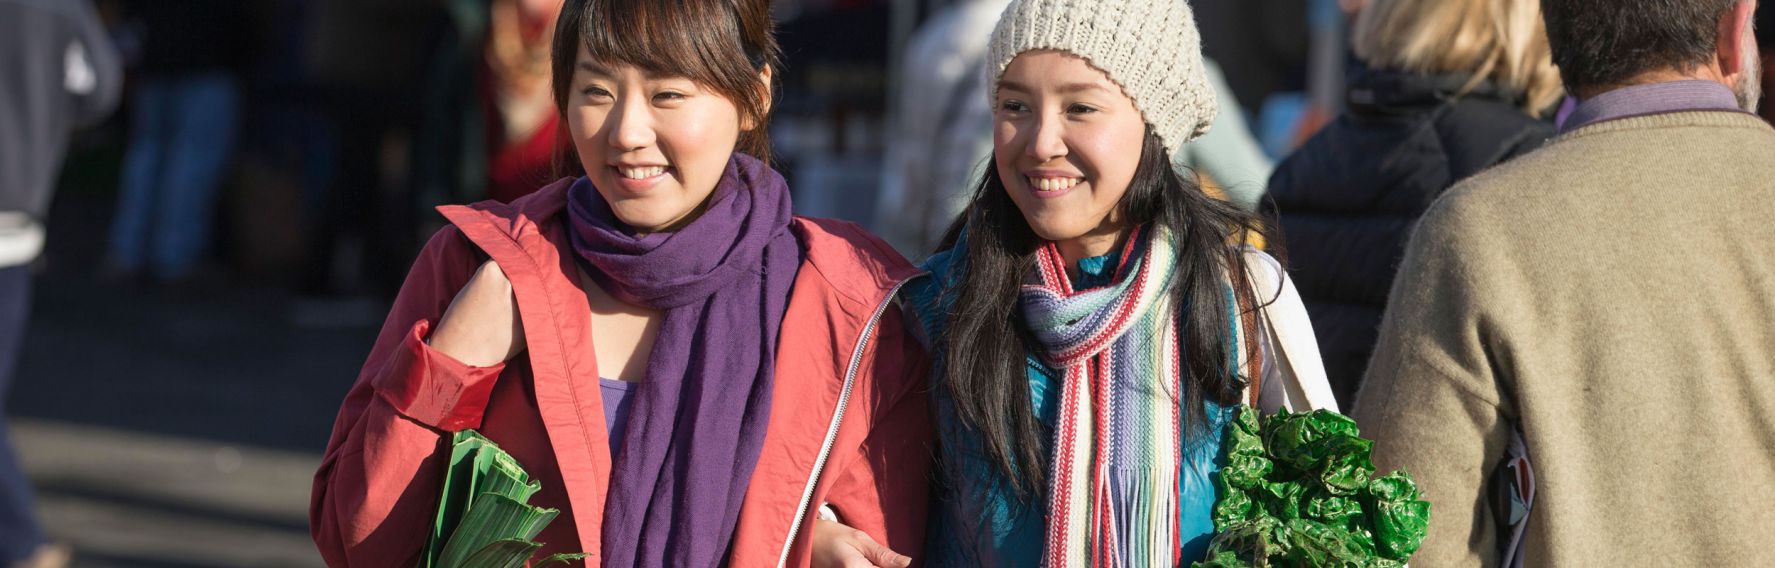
x,y
432,388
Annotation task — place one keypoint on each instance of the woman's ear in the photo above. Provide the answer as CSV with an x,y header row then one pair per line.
x,y
747,123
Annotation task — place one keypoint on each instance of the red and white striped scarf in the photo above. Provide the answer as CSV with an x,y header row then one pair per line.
x,y
1112,498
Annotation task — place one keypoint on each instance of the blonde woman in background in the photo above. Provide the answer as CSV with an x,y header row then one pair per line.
x,y
1448,88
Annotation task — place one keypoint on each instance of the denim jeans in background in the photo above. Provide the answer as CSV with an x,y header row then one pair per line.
x,y
182,137
20,535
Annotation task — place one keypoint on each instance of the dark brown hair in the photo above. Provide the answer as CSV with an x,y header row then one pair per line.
x,y
721,45
1598,43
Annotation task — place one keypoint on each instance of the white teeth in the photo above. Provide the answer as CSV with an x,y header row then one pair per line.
x,y
642,173
1054,184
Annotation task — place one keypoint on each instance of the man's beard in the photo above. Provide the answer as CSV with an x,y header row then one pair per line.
x,y
1750,80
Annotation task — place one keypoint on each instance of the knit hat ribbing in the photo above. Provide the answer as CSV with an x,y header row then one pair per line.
x,y
1150,47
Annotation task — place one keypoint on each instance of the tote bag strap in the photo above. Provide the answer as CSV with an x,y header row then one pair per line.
x,y
1304,385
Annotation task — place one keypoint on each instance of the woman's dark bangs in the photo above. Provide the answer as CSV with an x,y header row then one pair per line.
x,y
664,38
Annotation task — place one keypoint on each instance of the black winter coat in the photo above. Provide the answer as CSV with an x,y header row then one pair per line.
x,y
1346,201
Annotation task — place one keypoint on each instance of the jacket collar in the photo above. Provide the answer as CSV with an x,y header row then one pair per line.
x,y
1381,89
1650,99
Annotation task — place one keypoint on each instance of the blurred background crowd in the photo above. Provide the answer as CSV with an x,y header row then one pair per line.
x,y
221,248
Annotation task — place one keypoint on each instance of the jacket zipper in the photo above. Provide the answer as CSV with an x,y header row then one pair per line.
x,y
844,396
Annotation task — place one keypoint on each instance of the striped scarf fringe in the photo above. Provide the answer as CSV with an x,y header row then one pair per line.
x,y
1118,443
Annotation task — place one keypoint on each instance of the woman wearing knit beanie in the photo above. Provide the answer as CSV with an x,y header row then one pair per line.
x,y
1094,318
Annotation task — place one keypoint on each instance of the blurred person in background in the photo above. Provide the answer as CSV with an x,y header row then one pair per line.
x,y
944,132
368,59
1232,163
659,342
58,72
186,109
1261,45
1449,88
490,129
1576,360
522,127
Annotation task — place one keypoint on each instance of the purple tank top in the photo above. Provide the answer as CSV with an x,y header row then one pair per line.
x,y
616,410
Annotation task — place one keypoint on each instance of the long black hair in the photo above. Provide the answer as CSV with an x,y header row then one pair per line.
x,y
985,342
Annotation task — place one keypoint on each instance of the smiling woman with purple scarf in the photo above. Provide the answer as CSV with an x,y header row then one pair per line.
x,y
693,374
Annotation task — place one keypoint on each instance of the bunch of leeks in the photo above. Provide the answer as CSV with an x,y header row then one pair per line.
x,y
484,518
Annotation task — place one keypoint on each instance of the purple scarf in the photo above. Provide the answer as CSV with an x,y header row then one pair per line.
x,y
697,426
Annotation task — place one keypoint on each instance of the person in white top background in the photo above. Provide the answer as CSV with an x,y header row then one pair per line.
x,y
58,72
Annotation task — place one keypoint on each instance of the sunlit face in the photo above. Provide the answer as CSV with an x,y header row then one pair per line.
x,y
1067,142
653,145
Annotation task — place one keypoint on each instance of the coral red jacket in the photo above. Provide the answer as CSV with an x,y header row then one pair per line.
x,y
849,426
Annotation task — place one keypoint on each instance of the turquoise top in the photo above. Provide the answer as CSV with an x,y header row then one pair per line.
x,y
976,520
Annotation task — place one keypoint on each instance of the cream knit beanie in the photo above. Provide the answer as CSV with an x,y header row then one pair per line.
x,y
1149,47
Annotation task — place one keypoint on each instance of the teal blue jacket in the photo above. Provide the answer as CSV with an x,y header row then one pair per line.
x,y
975,519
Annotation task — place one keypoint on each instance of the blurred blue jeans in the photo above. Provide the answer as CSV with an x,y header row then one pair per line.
x,y
20,535
182,137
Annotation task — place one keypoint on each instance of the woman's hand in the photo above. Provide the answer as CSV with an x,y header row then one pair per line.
x,y
839,546
481,328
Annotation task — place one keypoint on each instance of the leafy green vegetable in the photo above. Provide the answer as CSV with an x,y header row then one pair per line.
x,y
484,517
1299,490
1401,517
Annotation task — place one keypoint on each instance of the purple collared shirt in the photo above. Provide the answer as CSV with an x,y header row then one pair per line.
x,y
1654,98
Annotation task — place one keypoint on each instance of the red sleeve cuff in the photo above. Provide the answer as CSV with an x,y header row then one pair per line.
x,y
432,388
